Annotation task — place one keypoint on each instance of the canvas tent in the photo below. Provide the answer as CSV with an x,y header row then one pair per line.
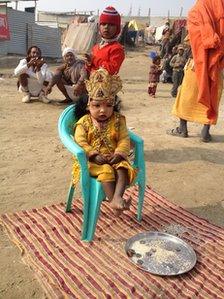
x,y
136,25
81,37
159,33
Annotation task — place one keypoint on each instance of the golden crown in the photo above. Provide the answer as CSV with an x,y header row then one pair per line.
x,y
103,86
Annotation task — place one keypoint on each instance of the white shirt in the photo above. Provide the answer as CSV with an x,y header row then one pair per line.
x,y
36,79
43,75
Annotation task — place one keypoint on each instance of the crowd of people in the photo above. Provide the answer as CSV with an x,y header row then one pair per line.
x,y
193,67
173,61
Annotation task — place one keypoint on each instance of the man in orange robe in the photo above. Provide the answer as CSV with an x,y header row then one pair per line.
x,y
206,32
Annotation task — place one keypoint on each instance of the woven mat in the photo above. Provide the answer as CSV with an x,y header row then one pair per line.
x,y
68,268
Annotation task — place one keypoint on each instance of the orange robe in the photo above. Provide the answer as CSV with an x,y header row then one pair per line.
x,y
206,32
186,105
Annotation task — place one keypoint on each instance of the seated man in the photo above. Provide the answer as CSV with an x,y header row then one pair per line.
x,y
69,77
33,75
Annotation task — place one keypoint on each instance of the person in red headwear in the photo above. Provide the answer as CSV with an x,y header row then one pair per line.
x,y
109,54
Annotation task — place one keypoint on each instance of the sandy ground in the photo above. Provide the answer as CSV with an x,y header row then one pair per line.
x,y
35,167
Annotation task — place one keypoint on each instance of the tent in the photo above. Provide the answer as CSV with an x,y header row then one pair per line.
x,y
159,33
136,25
81,37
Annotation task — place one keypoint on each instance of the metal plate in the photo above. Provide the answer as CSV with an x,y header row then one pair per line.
x,y
160,253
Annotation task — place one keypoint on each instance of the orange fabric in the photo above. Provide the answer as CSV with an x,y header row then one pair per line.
x,y
206,32
186,105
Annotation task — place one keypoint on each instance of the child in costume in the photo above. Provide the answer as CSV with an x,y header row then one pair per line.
x,y
154,74
109,54
103,135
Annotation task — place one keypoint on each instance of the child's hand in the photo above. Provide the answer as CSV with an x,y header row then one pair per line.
x,y
88,58
99,159
116,158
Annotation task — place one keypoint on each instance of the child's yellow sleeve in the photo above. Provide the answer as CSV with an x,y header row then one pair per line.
x,y
80,138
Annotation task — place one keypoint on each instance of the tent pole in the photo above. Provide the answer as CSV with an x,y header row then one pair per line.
x,y
149,16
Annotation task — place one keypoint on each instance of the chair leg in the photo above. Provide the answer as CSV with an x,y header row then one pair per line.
x,y
85,196
141,193
70,198
96,197
85,208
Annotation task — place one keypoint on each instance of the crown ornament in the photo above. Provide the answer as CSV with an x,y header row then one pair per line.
x,y
102,86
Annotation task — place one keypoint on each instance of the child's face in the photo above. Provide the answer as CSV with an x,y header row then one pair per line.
x,y
157,62
108,31
101,110
181,52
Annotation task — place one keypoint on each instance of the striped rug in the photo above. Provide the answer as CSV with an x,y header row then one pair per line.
x,y
68,268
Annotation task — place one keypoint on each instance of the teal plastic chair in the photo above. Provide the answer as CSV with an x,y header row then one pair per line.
x,y
92,191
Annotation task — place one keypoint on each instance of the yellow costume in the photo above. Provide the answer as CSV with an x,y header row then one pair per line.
x,y
186,105
113,138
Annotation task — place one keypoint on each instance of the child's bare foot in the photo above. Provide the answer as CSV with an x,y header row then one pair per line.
x,y
117,212
119,205
127,203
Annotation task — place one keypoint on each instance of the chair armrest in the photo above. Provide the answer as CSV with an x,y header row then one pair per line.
x,y
139,160
135,138
71,145
75,149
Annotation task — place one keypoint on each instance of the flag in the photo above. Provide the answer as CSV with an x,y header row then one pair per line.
x,y
4,27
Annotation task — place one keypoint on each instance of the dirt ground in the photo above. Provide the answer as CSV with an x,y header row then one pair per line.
x,y
35,168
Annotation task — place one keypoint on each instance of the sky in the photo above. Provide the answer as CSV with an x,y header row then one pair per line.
x,y
158,7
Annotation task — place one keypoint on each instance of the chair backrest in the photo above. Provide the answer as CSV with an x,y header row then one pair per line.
x,y
66,130
67,120
66,133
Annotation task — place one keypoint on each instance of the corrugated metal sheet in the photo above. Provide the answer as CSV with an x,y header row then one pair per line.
x,y
25,33
46,38
3,47
18,22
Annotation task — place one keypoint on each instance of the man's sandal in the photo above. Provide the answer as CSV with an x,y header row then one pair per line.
x,y
206,139
177,132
